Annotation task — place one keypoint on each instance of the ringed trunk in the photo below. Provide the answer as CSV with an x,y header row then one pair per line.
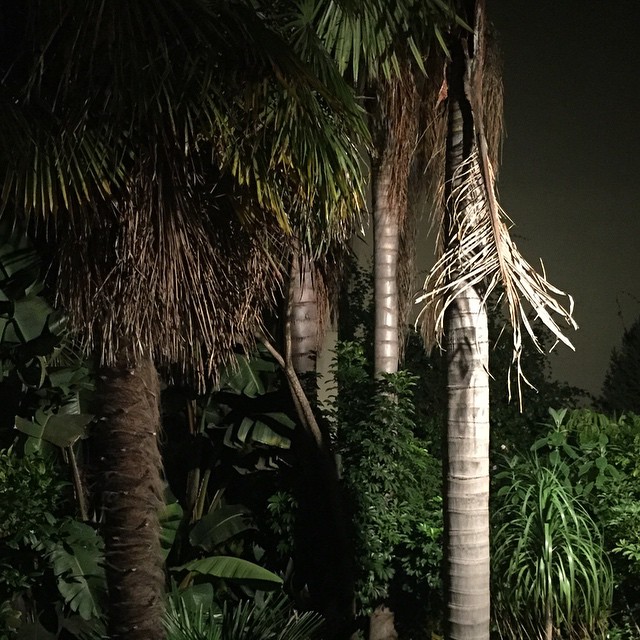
x,y
386,230
304,323
129,395
467,471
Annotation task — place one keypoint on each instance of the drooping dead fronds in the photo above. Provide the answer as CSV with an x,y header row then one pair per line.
x,y
481,253
149,275
476,248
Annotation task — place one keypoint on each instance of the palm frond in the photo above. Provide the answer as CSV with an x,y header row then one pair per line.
x,y
364,37
176,166
481,253
475,246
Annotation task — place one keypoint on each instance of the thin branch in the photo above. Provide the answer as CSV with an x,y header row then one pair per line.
x,y
77,485
300,400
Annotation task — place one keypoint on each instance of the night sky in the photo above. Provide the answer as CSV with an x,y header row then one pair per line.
x,y
570,175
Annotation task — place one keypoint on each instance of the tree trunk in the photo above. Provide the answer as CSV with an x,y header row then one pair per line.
x,y
132,493
382,624
467,471
386,234
304,323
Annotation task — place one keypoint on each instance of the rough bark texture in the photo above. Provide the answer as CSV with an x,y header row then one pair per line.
x,y
467,472
129,396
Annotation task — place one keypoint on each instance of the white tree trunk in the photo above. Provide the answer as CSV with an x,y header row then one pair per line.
x,y
467,473
385,264
382,624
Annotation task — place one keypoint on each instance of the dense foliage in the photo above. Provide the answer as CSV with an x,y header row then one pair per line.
x,y
393,483
582,487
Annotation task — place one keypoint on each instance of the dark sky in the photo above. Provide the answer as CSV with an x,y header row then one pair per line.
x,y
570,176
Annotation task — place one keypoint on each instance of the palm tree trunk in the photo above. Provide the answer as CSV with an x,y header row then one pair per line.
x,y
467,472
128,434
303,323
386,230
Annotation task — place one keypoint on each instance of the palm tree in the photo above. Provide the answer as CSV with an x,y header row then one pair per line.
x,y
477,256
162,170
381,49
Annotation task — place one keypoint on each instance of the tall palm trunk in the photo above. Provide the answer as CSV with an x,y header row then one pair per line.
x,y
396,119
128,434
323,553
467,462
467,469
386,242
477,256
397,123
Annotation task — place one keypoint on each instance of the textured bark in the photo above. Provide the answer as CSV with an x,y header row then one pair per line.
x,y
304,324
131,465
386,238
467,471
468,571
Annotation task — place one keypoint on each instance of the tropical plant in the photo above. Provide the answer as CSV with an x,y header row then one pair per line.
x,y
553,578
269,617
393,486
598,457
163,170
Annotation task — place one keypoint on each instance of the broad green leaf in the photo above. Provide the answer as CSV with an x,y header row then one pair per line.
x,y
60,430
234,569
77,565
170,517
219,526
30,317
244,376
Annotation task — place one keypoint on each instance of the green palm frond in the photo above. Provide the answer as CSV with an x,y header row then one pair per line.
x,y
364,37
200,73
176,165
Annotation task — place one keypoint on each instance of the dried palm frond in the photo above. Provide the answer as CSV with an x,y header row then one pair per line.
x,y
148,275
476,248
480,252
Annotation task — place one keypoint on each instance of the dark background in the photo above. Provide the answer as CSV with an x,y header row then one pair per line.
x,y
570,175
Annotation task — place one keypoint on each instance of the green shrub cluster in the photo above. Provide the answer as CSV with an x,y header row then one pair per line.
x,y
569,511
393,484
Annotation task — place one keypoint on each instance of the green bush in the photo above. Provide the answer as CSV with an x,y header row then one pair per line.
x,y
393,484
552,574
32,497
596,459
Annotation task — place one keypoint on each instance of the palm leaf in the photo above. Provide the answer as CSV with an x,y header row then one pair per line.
x,y
475,246
233,569
217,527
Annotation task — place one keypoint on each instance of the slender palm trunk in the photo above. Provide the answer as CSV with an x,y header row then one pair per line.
x,y
467,461
386,230
128,432
467,471
386,349
304,323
